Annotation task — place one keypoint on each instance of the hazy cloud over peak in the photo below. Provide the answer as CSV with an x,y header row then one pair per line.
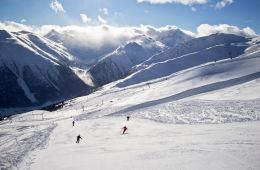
x,y
206,29
95,36
14,26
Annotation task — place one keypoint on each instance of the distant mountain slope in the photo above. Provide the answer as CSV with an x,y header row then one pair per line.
x,y
195,45
85,55
35,71
171,37
117,64
187,55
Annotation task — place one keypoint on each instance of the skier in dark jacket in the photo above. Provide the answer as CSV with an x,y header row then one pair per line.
x,y
124,129
78,138
73,123
127,118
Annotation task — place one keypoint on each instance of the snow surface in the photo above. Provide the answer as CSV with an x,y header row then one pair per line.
x,y
149,145
35,69
116,65
164,131
87,53
194,53
204,117
38,53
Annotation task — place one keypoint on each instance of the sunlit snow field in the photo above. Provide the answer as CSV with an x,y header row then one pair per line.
x,y
196,132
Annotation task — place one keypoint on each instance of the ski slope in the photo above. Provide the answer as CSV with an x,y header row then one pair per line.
x,y
164,132
147,145
150,146
204,117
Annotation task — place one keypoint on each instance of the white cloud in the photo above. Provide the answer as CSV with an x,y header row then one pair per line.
x,y
85,18
96,36
153,31
101,20
206,29
14,26
57,6
223,3
23,20
103,11
249,31
193,9
92,36
184,2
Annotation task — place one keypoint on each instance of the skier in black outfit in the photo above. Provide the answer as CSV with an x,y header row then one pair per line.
x,y
127,118
73,122
78,138
124,129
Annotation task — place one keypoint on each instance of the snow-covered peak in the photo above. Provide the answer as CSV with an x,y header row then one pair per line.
x,y
256,40
117,64
35,69
195,45
54,36
169,35
78,45
187,55
172,38
4,34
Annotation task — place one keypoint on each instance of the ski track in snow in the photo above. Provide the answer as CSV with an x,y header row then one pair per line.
x,y
150,145
18,138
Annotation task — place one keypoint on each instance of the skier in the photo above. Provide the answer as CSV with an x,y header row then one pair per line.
x,y
78,138
127,118
124,129
73,122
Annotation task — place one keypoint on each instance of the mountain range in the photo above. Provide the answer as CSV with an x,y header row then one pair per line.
x,y
40,70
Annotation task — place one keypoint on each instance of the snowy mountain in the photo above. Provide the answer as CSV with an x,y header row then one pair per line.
x,y
187,55
117,64
186,120
35,71
170,36
203,108
85,55
38,68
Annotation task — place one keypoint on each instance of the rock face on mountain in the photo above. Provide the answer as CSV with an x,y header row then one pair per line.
x,y
35,71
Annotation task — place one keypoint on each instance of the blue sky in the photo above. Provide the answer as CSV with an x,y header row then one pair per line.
x,y
186,14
